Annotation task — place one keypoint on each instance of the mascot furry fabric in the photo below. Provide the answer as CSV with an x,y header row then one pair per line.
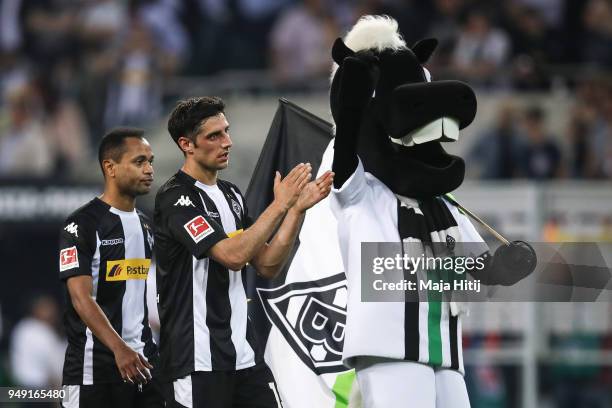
x,y
391,177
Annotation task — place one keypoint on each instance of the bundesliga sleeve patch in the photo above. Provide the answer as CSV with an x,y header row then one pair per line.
x,y
198,228
68,259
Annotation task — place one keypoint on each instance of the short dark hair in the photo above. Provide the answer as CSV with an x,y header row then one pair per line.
x,y
112,145
188,114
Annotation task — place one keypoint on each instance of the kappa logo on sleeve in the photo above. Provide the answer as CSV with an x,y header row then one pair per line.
x,y
68,259
198,228
184,201
72,228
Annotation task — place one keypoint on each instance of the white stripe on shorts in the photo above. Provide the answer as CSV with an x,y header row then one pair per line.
x,y
71,396
183,391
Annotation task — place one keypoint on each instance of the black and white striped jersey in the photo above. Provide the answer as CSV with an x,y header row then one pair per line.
x,y
202,305
114,247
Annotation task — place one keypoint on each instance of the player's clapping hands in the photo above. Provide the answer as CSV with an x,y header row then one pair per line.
x,y
315,191
287,190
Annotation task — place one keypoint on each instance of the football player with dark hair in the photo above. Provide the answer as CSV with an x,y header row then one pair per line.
x,y
204,239
104,259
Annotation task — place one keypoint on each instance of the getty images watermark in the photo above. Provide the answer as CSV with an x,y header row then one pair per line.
x,y
456,271
20,395
435,281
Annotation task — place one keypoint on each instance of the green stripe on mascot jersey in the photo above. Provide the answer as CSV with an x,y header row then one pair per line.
x,y
391,177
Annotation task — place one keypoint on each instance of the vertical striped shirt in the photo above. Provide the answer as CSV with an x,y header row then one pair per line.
x,y
202,304
114,247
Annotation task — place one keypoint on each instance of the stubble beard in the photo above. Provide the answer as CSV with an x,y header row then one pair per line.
x,y
214,167
136,190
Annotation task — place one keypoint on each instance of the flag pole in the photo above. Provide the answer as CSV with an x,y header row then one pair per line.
x,y
470,214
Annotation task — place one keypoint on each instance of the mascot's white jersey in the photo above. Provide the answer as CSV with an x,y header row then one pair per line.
x,y
428,332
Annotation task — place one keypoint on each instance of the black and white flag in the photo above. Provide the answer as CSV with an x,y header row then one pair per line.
x,y
301,315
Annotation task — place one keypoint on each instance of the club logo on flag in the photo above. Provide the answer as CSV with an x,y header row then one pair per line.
x,y
68,259
198,228
312,317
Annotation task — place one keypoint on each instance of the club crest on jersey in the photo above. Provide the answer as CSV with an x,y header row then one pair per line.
x,y
450,242
184,201
150,239
68,258
72,228
312,317
198,228
236,207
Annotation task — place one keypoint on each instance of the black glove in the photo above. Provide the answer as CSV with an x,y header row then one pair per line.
x,y
510,264
513,262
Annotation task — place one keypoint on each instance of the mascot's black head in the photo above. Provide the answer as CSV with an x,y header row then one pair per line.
x,y
408,115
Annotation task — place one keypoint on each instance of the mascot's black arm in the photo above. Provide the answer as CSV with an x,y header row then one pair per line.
x,y
357,76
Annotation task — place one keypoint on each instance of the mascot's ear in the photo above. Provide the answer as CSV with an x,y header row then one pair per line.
x,y
340,51
424,48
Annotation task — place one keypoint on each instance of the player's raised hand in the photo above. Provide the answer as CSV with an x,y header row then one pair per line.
x,y
315,191
287,190
134,368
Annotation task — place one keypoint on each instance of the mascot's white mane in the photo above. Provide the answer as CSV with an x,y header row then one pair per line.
x,y
373,32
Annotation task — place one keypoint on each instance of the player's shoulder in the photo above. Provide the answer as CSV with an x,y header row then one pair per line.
x,y
174,182
88,214
178,189
84,221
177,184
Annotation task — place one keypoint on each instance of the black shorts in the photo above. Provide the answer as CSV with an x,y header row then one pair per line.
x,y
248,388
114,395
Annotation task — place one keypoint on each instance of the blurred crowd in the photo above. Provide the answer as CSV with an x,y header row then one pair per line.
x,y
520,145
69,69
